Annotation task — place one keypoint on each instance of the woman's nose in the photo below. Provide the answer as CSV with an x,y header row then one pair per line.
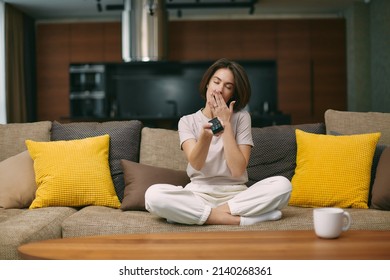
x,y
218,89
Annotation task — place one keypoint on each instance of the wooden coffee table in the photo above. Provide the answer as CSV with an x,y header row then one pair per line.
x,y
239,245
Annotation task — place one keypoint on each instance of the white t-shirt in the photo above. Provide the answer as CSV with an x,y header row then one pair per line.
x,y
215,171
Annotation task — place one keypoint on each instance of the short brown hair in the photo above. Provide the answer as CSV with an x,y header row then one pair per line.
x,y
242,87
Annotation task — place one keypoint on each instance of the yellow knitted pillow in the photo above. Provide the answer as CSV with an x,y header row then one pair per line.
x,y
73,173
333,170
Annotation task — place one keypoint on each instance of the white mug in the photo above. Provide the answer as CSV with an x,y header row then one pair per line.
x,y
330,222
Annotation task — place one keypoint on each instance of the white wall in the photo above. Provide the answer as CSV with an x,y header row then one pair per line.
x,y
3,115
359,57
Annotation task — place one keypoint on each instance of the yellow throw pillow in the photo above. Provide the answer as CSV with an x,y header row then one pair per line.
x,y
73,173
333,170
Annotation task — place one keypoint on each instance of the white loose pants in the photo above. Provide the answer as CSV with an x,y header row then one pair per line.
x,y
193,204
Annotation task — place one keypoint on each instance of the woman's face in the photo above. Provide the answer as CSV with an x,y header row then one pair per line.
x,y
221,82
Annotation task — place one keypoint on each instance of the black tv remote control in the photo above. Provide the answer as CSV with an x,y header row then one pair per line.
x,y
216,125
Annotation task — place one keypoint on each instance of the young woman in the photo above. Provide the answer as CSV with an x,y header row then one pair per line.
x,y
217,162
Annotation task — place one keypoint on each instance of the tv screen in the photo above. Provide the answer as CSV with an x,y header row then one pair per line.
x,y
171,89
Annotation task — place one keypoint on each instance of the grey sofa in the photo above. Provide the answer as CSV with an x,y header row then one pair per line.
x,y
274,154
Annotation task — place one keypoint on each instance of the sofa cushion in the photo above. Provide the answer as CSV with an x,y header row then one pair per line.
x,y
124,142
347,123
139,177
275,149
381,188
90,220
161,148
17,181
73,173
12,136
333,170
20,226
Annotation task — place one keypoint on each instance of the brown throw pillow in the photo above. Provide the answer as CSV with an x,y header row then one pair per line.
x,y
139,177
381,188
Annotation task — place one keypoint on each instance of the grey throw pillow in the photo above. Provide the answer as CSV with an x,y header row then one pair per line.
x,y
275,149
125,139
381,187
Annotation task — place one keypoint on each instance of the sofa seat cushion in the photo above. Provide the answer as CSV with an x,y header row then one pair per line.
x,y
97,220
89,220
20,226
9,213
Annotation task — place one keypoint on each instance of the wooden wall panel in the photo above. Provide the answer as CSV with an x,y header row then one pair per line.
x,y
293,39
328,39
210,40
294,89
258,39
86,42
294,69
112,43
328,46
52,71
329,87
188,40
59,45
224,39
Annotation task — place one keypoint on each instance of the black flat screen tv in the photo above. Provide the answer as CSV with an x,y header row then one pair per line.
x,y
156,90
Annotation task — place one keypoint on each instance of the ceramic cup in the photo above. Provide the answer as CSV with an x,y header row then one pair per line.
x,y
330,222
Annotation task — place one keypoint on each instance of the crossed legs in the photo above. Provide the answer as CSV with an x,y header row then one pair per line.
x,y
260,202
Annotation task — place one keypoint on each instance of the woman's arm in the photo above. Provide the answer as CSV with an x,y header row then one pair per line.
x,y
196,151
237,156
